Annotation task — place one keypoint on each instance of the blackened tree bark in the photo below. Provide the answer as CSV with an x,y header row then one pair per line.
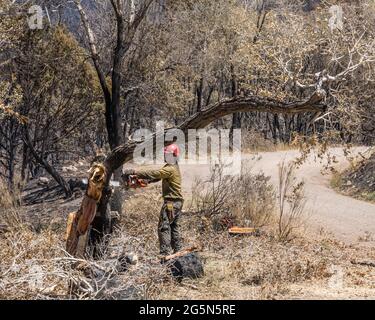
x,y
43,163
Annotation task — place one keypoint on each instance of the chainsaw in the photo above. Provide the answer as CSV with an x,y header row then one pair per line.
x,y
133,182
128,182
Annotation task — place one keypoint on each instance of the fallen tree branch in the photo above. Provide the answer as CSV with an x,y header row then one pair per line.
x,y
182,253
203,118
364,263
243,231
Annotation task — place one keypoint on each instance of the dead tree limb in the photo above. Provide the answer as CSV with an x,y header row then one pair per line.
x,y
364,263
94,52
182,253
124,153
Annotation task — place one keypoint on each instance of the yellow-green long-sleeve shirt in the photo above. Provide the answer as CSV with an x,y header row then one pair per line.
x,y
171,180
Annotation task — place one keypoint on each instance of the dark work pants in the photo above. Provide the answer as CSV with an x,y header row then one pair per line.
x,y
168,231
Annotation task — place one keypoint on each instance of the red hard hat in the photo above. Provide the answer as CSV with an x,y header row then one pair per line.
x,y
172,148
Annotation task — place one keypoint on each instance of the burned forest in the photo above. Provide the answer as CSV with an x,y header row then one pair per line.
x,y
187,150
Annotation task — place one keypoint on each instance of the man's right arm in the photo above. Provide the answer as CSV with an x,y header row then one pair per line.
x,y
152,175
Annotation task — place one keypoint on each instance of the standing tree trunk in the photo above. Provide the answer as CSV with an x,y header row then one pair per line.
x,y
236,117
200,88
25,161
126,27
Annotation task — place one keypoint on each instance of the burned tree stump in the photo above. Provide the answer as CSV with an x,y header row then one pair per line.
x,y
79,222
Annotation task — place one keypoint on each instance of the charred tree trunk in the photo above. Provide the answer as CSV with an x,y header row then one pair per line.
x,y
236,117
43,163
199,90
276,124
210,91
25,161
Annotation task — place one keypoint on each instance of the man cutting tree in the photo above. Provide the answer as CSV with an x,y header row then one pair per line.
x,y
168,228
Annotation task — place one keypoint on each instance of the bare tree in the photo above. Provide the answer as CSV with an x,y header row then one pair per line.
x,y
127,23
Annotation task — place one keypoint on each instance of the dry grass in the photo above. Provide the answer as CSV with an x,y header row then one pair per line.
x,y
258,267
264,267
35,266
29,269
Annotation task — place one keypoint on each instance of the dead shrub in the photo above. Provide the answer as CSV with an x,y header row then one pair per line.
x,y
212,197
250,200
254,200
246,200
291,202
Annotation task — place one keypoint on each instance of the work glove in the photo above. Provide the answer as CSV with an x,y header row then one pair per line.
x,y
129,172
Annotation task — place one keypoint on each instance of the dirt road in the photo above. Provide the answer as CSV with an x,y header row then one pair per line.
x,y
346,218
